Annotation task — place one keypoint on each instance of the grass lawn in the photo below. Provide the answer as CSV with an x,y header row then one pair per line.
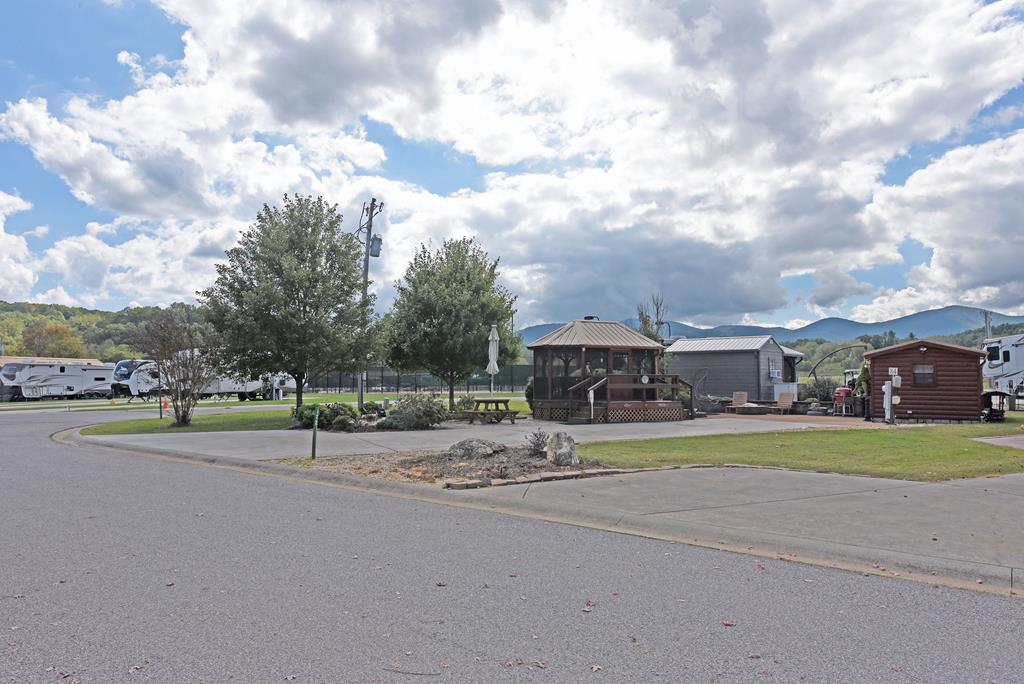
x,y
927,453
222,422
272,419
308,398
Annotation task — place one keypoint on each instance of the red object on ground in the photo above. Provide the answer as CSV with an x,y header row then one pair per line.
x,y
842,395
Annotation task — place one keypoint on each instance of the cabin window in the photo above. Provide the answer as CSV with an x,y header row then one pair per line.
x,y
62,369
1006,356
540,363
642,362
597,359
924,374
993,353
566,363
620,362
100,379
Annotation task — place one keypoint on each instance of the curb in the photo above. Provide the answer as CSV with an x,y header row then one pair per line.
x,y
945,572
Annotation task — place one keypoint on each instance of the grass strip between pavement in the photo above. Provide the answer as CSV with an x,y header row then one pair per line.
x,y
923,453
272,419
278,419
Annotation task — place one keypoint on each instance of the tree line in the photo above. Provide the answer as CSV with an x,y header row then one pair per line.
x,y
289,298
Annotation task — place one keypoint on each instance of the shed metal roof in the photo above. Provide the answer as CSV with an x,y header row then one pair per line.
x,y
595,334
720,344
786,351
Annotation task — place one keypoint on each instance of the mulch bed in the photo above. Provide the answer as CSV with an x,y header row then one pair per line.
x,y
439,467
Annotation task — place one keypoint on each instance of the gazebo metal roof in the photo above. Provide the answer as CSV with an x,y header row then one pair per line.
x,y
597,334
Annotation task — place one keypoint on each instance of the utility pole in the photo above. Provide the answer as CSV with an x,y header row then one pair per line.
x,y
372,248
987,316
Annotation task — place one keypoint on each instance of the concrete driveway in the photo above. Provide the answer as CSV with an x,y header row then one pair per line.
x,y
966,529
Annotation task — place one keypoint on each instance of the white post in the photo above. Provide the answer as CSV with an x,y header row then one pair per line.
x,y
887,400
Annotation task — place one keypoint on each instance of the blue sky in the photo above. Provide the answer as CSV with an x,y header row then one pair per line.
x,y
568,144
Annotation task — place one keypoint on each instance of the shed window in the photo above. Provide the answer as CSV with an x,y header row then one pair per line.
x,y
924,374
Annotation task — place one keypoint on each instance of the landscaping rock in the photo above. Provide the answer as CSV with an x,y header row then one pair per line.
x,y
474,448
561,450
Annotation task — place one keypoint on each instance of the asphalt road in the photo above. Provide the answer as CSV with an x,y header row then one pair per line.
x,y
116,567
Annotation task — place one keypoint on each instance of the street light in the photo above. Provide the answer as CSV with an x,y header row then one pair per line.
x,y
373,244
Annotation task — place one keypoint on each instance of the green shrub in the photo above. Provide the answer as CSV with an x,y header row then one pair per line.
x,y
343,422
818,389
372,408
415,412
465,403
393,422
302,416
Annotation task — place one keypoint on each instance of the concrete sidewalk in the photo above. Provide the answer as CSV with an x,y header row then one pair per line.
x,y
962,529
272,444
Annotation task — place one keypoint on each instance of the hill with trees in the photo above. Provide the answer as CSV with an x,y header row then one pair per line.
x,y
29,329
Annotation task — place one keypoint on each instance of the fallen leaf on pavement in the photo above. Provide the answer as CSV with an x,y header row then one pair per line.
x,y
596,668
728,623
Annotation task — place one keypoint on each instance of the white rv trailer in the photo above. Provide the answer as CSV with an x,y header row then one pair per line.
x,y
1004,363
8,390
140,378
62,380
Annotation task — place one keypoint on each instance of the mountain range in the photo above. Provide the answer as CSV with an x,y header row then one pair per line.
x,y
945,321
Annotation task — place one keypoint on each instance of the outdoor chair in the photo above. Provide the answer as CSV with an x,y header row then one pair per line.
x,y
784,404
738,399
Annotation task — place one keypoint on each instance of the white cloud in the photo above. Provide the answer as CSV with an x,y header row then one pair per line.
x,y
967,207
700,149
56,295
17,275
38,231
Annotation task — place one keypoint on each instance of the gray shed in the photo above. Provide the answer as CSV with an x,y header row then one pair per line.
x,y
719,366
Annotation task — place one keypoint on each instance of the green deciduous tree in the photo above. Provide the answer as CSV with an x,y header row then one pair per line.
x,y
50,338
289,297
446,304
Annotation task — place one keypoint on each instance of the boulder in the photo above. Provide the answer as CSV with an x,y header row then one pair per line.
x,y
561,450
474,448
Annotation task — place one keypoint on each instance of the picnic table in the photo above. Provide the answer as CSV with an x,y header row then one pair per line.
x,y
491,411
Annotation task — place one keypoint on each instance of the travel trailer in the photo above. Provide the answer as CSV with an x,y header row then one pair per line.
x,y
61,380
123,371
1003,367
140,378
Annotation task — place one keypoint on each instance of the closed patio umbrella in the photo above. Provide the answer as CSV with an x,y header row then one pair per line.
x,y
492,354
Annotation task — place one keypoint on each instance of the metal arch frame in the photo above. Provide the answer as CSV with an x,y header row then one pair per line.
x,y
831,354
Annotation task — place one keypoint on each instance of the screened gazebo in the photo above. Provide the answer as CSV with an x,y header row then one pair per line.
x,y
618,365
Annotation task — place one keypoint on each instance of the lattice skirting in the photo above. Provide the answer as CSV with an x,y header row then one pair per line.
x,y
648,415
547,413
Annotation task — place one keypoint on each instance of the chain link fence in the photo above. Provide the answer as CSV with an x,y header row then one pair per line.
x,y
511,379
